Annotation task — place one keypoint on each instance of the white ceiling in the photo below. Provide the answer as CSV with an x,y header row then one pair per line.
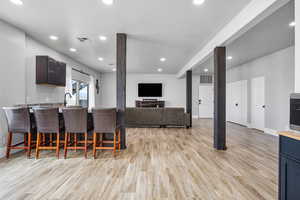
x,y
175,29
270,35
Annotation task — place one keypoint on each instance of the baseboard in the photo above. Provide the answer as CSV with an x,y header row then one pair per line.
x,y
271,132
266,130
249,125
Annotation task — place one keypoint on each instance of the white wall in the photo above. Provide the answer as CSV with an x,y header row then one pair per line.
x,y
278,70
12,73
297,47
17,74
174,90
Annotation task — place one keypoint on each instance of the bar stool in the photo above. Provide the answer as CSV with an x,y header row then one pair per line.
x,y
105,121
47,122
75,123
18,121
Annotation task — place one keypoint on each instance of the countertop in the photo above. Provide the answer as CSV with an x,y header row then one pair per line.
x,y
290,134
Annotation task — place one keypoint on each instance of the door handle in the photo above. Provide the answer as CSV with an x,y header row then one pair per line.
x,y
200,101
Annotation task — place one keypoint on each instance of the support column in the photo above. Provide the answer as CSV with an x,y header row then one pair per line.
x,y
121,85
220,98
189,95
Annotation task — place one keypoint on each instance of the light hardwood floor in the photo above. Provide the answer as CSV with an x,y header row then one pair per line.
x,y
168,163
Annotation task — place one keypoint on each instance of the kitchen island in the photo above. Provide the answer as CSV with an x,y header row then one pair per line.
x,y
289,166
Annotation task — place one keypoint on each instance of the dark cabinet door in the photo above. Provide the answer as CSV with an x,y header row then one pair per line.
x,y
61,76
52,72
289,179
56,73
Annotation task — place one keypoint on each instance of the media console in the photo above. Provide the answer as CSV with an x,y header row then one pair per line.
x,y
149,104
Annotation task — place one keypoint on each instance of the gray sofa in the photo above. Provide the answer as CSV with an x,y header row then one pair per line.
x,y
156,117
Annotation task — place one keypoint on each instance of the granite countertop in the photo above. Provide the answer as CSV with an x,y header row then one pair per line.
x,y
42,104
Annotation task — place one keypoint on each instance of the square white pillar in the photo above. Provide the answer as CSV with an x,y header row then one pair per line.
x,y
297,46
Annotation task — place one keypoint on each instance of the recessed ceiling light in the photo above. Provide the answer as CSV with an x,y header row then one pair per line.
x,y
100,59
159,69
73,50
102,37
17,2
292,24
53,37
198,2
114,69
205,70
163,59
229,58
108,2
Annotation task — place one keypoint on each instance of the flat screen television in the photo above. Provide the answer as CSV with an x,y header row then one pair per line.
x,y
150,90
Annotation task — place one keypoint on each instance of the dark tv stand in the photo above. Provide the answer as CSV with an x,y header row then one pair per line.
x,y
149,103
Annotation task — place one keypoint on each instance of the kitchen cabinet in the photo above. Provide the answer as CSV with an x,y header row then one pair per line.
x,y
289,168
50,71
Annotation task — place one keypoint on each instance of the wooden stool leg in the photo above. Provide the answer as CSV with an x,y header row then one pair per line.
x,y
66,145
75,141
38,141
57,145
119,140
115,145
94,144
8,145
101,139
29,145
44,138
85,144
51,139
25,142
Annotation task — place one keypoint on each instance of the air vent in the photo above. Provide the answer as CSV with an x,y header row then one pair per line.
x,y
82,39
206,79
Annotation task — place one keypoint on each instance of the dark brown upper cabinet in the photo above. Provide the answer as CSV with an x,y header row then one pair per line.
x,y
50,71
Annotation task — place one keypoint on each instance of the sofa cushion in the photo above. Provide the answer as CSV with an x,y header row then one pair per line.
x,y
144,116
141,117
174,116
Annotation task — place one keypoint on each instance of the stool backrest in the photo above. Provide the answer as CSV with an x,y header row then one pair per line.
x,y
105,120
18,119
75,120
47,119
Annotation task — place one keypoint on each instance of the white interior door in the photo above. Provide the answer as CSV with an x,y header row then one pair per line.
x,y
236,102
206,101
228,102
258,103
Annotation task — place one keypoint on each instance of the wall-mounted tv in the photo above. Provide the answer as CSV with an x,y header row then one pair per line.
x,y
150,89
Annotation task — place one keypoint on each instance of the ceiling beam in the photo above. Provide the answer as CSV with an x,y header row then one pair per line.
x,y
252,14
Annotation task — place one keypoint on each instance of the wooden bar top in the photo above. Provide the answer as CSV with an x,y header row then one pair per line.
x,y
290,134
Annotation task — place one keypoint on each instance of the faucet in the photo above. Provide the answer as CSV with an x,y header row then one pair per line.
x,y
65,98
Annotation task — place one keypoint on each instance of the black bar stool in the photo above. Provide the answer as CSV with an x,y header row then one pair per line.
x,y
18,121
47,122
75,123
105,121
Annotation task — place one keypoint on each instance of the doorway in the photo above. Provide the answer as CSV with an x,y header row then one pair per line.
x,y
80,92
206,101
258,103
236,102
